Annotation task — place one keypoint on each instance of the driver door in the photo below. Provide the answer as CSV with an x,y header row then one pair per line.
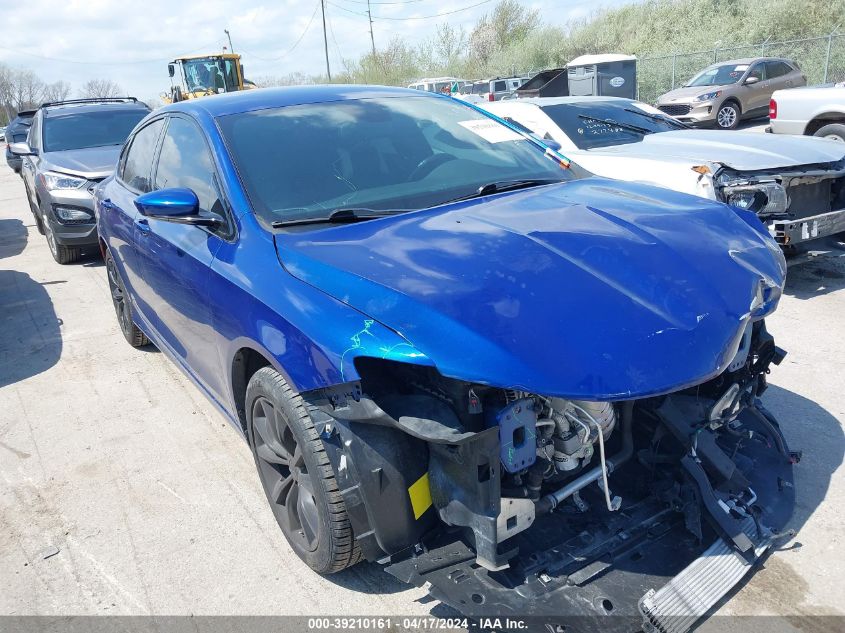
x,y
755,97
175,259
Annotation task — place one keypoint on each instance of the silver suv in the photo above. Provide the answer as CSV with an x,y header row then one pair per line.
x,y
72,146
727,92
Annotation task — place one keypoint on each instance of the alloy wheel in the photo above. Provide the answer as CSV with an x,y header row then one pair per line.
x,y
117,295
726,117
284,474
835,137
51,239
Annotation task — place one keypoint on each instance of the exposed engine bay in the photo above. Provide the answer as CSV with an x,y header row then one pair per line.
x,y
510,502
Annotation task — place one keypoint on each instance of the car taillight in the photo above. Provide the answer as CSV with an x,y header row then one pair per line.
x,y
773,109
490,97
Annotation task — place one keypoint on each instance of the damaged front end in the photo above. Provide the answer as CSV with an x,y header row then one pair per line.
x,y
516,503
797,204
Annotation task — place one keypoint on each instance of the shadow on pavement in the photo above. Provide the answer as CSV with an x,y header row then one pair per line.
x,y
818,434
30,337
812,276
13,237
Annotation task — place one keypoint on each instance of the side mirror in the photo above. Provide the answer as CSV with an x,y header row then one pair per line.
x,y
171,70
22,149
173,205
751,80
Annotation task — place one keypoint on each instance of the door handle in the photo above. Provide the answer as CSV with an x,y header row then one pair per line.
x,y
143,225
108,205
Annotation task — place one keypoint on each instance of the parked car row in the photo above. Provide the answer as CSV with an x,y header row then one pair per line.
x,y
795,186
451,348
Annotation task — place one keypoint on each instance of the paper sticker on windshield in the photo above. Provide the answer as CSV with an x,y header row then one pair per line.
x,y
491,131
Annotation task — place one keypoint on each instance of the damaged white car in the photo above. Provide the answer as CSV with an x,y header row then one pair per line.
x,y
795,185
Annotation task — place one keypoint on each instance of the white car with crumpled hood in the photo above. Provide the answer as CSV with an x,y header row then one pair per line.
x,y
796,185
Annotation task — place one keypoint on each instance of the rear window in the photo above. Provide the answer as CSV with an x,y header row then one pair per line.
x,y
90,129
595,124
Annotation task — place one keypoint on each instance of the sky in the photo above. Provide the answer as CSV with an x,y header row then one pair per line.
x,y
131,41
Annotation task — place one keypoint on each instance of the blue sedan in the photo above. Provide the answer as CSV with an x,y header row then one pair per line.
x,y
453,351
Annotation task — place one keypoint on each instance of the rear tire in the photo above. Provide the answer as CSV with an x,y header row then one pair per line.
x,y
832,131
296,475
123,306
727,116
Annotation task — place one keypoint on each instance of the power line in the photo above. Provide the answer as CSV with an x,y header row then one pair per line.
x,y
152,60
292,48
374,2
418,17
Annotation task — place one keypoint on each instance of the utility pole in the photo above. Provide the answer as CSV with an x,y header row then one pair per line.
x,y
231,49
372,38
326,39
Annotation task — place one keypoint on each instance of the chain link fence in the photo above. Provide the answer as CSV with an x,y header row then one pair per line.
x,y
822,59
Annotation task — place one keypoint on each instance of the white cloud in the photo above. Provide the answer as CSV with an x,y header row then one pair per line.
x,y
131,41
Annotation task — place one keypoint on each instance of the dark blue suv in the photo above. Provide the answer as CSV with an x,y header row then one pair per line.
x,y
454,352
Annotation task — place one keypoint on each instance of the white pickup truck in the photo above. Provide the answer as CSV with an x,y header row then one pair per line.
x,y
816,111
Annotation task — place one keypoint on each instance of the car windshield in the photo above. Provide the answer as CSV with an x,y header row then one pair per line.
x,y
383,154
210,73
89,129
594,124
722,75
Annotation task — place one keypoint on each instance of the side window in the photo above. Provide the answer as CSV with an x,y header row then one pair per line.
x,y
776,69
32,136
500,86
137,166
759,71
185,161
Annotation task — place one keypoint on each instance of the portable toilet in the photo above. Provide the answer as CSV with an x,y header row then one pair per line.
x,y
606,75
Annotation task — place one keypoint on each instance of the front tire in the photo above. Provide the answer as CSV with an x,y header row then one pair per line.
x,y
123,306
61,253
727,116
39,223
832,131
296,475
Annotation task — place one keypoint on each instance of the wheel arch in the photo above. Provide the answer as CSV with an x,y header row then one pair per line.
x,y
247,359
734,100
820,120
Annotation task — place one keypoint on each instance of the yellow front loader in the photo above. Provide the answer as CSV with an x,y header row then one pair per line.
x,y
202,75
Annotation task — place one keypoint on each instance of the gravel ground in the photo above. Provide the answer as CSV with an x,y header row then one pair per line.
x,y
124,491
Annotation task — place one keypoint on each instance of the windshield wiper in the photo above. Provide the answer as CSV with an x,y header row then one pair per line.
x,y
338,216
611,122
657,117
505,185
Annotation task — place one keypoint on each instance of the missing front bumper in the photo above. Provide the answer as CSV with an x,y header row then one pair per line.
x,y
791,232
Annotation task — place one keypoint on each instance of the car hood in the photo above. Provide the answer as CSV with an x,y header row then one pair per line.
x,y
684,95
592,289
92,163
742,151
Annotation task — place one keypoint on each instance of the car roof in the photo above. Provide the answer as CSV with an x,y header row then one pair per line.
x,y
68,109
750,60
265,98
550,101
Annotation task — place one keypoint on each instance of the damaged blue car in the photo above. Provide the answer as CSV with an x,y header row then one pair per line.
x,y
456,353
